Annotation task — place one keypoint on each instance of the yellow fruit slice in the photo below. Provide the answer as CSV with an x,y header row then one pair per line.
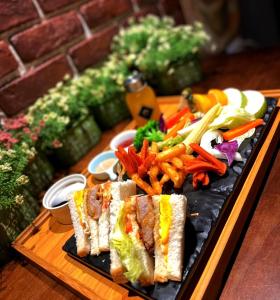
x,y
203,102
219,95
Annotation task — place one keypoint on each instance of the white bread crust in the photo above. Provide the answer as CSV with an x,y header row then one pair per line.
x,y
172,269
82,238
119,191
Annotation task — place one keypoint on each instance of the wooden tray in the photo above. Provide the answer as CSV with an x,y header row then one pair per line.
x,y
42,241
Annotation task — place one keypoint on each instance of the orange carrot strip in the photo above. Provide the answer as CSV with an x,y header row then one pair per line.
x,y
210,158
233,133
178,126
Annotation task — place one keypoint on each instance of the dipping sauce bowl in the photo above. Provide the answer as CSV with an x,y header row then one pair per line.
x,y
57,196
103,166
124,139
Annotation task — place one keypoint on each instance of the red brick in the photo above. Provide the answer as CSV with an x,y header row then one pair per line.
x,y
99,11
22,92
16,12
171,6
43,38
51,5
7,60
144,2
150,9
173,9
94,49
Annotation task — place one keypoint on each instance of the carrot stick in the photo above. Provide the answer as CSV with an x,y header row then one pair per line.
x,y
178,126
233,133
175,118
210,158
200,166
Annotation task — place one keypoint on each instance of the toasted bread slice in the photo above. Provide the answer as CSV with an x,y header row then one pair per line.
x,y
170,268
119,191
82,235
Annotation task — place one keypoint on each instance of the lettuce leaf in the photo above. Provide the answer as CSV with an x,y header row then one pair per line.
x,y
126,249
231,117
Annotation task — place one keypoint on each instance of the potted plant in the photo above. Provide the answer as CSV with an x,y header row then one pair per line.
x,y
17,205
69,131
102,90
167,55
19,130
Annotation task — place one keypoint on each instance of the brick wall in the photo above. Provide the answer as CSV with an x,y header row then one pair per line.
x,y
42,40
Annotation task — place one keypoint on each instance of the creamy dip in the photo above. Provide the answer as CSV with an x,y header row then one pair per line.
x,y
105,164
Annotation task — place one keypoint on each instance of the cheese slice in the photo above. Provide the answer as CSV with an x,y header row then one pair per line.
x,y
165,221
79,201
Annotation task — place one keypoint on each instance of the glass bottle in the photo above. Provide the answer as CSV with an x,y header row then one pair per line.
x,y
141,100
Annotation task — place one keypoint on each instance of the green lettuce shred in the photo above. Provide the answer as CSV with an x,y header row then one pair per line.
x,y
126,249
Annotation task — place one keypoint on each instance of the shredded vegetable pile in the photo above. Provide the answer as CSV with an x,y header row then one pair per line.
x,y
186,145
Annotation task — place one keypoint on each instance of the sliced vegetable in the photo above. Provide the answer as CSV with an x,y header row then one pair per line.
x,y
229,149
189,128
210,158
198,131
211,136
173,131
204,102
231,117
233,133
219,95
244,136
235,98
175,118
171,142
200,177
256,103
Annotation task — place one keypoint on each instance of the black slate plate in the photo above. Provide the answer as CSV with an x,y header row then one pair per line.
x,y
213,205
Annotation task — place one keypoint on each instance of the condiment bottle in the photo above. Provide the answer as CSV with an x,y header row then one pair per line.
x,y
141,100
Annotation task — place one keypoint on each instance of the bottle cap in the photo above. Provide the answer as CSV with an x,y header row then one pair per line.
x,y
134,83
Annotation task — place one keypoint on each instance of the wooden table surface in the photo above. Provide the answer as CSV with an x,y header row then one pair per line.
x,y
255,273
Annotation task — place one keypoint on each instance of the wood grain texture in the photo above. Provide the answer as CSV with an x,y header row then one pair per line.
x,y
256,271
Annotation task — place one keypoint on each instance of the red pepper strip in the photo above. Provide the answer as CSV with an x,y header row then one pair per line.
x,y
175,118
144,150
200,166
128,167
132,153
210,158
129,164
233,133
128,225
201,177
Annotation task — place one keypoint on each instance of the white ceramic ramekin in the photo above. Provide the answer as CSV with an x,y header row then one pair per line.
x,y
59,193
121,137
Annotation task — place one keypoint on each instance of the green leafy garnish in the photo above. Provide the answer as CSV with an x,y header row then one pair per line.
x,y
127,250
149,132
